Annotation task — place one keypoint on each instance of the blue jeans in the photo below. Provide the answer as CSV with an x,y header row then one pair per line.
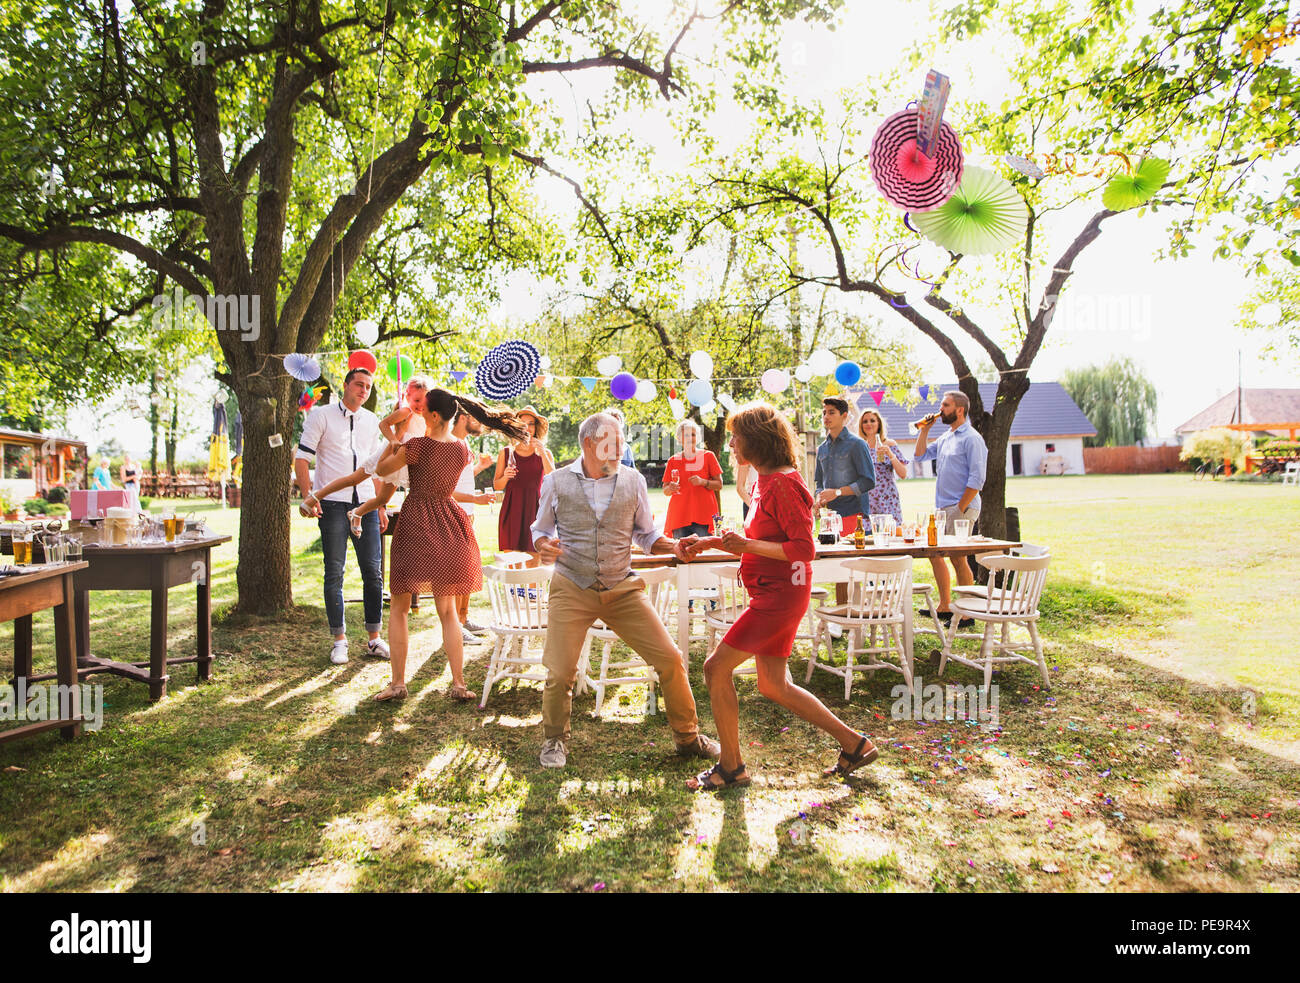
x,y
692,529
334,534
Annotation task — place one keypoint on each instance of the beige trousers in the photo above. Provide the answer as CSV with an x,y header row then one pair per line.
x,y
626,610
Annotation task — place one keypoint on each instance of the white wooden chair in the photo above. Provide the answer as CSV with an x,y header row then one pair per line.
x,y
982,590
1291,473
519,617
733,599
816,599
878,589
659,582
1012,602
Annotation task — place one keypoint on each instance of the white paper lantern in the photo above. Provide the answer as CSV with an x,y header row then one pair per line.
x,y
609,365
1268,313
821,362
646,391
775,381
804,372
546,361
701,365
367,332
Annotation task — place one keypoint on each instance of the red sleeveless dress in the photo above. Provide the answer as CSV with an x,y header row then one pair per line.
x,y
519,506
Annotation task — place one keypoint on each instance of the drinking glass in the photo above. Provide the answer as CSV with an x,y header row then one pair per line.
x,y
22,548
908,530
941,520
74,549
961,529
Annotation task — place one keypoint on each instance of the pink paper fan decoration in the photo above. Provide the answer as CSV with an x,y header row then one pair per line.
x,y
907,178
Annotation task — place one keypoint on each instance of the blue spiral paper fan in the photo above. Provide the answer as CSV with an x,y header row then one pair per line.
x,y
508,370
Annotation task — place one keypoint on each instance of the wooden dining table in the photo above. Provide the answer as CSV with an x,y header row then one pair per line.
x,y
826,568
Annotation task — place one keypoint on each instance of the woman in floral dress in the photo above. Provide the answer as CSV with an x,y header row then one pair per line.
x,y
890,462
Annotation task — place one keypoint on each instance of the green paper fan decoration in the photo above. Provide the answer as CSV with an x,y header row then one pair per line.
x,y
984,215
1130,190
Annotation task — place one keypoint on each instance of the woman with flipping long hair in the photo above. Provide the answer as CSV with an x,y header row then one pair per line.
x,y
775,556
434,549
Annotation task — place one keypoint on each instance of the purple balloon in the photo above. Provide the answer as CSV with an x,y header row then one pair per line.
x,y
623,385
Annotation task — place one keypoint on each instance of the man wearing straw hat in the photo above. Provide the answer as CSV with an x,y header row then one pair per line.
x,y
591,512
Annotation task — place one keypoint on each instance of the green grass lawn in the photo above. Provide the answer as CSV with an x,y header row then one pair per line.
x,y
1168,614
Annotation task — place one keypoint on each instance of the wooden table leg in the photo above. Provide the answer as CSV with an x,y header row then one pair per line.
x,y
203,642
81,606
158,641
22,648
65,656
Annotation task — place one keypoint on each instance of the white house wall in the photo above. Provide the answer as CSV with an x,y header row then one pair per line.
x,y
1032,452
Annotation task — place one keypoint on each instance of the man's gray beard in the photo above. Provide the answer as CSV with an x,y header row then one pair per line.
x,y
608,468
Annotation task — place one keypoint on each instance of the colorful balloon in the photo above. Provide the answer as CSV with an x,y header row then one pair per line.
x,y
847,373
362,359
406,368
775,381
699,392
623,385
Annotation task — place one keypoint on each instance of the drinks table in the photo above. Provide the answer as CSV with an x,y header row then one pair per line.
x,y
155,567
22,595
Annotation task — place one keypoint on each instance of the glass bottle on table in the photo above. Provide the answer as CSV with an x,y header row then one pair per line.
x,y
932,532
859,536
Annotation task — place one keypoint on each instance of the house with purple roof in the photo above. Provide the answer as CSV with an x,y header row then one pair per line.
x,y
1046,435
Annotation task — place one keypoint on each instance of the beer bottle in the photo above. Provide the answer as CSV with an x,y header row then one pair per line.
x,y
859,537
932,533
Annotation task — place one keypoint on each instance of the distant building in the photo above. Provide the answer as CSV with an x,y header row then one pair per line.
x,y
1046,434
1256,406
35,462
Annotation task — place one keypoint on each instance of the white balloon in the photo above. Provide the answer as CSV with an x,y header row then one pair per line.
x,y
679,411
646,391
1268,313
367,332
821,362
804,372
546,361
701,364
708,406
609,365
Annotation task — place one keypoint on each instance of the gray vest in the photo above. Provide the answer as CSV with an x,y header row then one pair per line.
x,y
592,551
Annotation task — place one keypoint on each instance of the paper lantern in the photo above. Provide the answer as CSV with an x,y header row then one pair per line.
x,y
775,381
699,392
701,365
646,391
821,362
402,370
360,359
367,331
1268,313
623,385
609,365
984,215
803,372
847,373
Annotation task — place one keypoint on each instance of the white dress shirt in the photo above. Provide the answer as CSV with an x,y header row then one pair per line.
x,y
600,492
340,441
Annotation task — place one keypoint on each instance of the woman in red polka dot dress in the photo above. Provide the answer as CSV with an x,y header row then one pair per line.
x,y
434,550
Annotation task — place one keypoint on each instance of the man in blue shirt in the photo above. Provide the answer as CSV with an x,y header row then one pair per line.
x,y
844,474
960,458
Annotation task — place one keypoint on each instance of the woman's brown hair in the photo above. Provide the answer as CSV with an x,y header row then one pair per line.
x,y
766,438
879,419
447,405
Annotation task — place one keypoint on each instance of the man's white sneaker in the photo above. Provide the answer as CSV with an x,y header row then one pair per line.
x,y
476,629
339,653
468,637
378,648
554,753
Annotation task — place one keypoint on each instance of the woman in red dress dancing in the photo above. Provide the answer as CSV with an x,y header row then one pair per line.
x,y
434,549
520,470
776,553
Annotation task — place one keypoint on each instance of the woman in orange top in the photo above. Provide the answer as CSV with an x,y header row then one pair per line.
x,y
691,482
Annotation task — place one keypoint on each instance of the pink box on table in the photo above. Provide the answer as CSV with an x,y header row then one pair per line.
x,y
92,504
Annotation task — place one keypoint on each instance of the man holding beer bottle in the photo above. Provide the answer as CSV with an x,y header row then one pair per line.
x,y
844,474
960,458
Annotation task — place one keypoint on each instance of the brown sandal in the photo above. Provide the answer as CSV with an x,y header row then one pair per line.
x,y
460,694
854,761
393,691
704,780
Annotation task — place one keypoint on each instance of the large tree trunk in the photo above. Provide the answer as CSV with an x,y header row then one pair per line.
x,y
264,574
995,428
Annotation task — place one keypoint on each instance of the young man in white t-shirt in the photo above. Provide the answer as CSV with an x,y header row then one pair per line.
x,y
466,496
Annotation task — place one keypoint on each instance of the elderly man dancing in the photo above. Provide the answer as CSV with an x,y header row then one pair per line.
x,y
590,514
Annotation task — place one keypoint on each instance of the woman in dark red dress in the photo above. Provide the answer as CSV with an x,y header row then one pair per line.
x,y
520,470
776,554
434,550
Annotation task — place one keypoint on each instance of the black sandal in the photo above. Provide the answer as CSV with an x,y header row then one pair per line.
x,y
855,760
705,783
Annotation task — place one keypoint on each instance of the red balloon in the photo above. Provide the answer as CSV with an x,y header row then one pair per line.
x,y
362,359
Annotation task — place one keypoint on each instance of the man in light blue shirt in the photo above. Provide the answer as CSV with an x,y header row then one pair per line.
x,y
845,472
960,458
